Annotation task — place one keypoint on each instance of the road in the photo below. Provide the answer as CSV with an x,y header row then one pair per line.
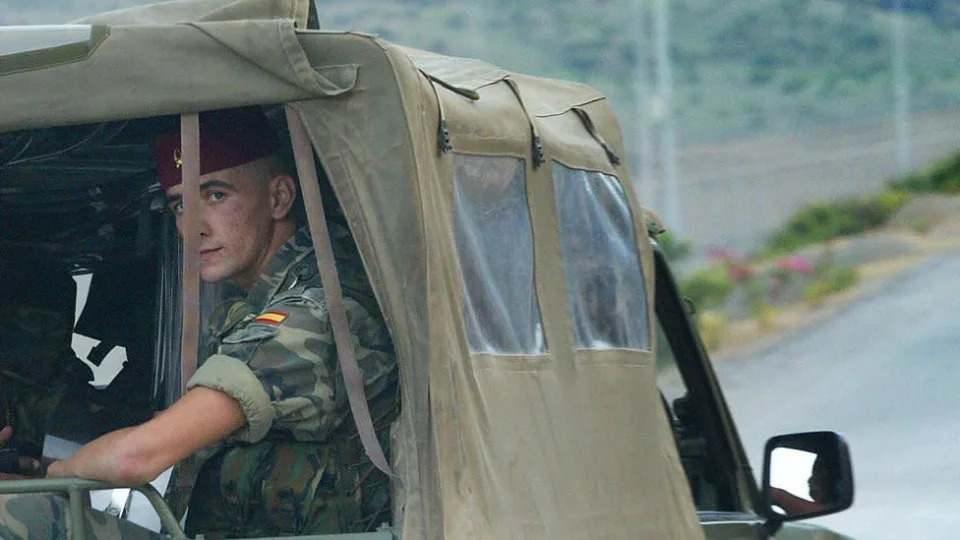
x,y
885,372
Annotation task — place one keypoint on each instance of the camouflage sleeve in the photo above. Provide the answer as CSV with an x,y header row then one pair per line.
x,y
234,378
289,352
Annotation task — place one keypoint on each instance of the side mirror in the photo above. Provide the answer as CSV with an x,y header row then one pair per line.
x,y
805,475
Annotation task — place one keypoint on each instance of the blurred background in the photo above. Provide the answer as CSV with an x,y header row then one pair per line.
x,y
805,158
723,102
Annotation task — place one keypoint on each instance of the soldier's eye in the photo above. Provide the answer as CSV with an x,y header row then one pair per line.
x,y
216,196
177,207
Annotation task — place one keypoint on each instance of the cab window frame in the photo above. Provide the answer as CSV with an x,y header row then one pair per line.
x,y
737,489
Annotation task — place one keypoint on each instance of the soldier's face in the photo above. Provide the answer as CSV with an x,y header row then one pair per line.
x,y
236,223
819,482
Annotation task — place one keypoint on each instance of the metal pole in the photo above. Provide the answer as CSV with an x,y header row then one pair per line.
x,y
641,99
668,145
78,531
901,88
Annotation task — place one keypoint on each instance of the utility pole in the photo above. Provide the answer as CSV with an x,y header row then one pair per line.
x,y
668,145
901,89
642,99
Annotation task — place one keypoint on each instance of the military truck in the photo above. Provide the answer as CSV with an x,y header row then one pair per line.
x,y
553,383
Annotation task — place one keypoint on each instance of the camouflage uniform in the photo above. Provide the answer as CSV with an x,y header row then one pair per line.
x,y
297,467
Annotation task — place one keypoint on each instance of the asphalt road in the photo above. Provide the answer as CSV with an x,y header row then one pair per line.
x,y
884,372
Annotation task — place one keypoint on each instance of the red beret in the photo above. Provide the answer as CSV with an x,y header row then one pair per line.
x,y
228,138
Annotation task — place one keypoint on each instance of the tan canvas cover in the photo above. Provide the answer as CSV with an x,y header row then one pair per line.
x,y
562,441
188,11
156,67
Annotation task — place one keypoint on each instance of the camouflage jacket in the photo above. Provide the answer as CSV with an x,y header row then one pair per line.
x,y
297,466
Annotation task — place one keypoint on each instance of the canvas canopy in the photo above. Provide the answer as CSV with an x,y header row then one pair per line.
x,y
498,227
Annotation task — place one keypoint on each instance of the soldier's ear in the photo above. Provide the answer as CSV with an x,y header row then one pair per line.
x,y
283,194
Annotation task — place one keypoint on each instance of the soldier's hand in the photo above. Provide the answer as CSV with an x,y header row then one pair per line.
x,y
13,466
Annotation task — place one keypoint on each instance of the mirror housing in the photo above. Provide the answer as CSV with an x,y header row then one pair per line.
x,y
805,475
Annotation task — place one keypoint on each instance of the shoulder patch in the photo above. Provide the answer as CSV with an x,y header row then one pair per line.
x,y
271,317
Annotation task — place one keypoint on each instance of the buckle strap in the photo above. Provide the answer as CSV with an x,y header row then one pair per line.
x,y
592,130
537,143
444,143
346,355
190,333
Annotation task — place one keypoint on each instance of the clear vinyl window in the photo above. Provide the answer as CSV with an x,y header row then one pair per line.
x,y
494,240
604,276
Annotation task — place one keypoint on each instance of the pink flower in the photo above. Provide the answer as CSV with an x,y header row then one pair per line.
x,y
797,264
739,271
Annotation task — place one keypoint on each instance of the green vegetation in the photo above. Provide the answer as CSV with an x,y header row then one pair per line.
x,y
762,282
944,14
708,288
673,248
713,327
834,280
826,221
739,66
944,177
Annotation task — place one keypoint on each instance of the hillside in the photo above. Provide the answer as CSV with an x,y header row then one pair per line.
x,y
740,66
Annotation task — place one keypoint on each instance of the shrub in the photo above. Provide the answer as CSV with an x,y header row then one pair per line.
x,y
913,182
793,264
944,177
675,249
708,288
891,200
737,264
713,328
834,280
759,305
821,222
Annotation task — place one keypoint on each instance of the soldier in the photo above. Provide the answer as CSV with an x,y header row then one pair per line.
x,y
36,320
265,419
823,484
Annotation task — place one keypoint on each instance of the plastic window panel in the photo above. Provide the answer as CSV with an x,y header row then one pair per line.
x,y
605,281
494,241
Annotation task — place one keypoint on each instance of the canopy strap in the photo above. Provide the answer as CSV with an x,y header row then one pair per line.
x,y
190,334
346,355
185,473
537,142
444,144
595,133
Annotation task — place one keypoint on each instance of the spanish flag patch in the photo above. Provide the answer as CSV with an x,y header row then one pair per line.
x,y
271,317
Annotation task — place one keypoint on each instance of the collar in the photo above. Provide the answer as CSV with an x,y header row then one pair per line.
x,y
297,248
